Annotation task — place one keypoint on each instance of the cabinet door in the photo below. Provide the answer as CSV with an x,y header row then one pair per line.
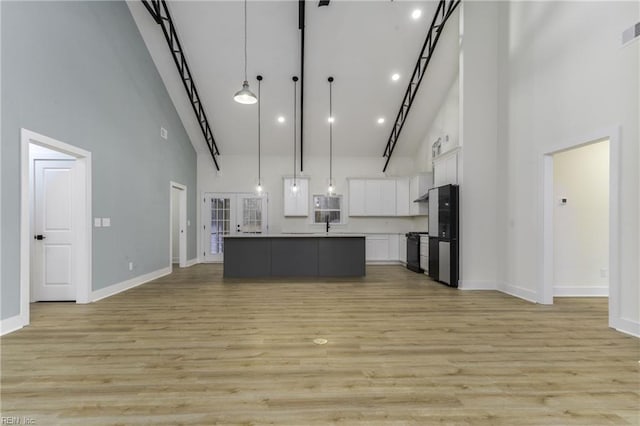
x,y
296,203
387,197
403,200
439,173
377,247
402,248
357,197
394,247
451,166
373,203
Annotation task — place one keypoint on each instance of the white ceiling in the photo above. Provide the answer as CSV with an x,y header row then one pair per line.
x,y
359,43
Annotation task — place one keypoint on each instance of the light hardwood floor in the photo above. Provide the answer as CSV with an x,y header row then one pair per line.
x,y
192,348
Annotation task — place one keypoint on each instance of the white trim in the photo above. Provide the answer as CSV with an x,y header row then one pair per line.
x,y
11,324
545,227
477,285
584,291
83,249
182,221
519,292
191,262
114,289
627,326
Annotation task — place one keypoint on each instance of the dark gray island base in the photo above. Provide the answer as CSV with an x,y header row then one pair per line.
x,y
294,256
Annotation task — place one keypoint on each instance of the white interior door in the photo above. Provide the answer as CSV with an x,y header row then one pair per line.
x,y
228,214
54,233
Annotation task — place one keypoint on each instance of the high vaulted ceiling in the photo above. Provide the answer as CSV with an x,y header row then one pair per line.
x,y
360,43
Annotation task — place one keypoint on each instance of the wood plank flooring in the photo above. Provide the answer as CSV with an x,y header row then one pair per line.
x,y
192,348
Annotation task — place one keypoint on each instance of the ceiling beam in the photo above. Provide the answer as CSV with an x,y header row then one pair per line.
x,y
160,12
443,12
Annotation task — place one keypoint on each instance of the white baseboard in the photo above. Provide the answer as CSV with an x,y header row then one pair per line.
x,y
383,262
519,292
627,326
11,324
129,284
191,262
580,291
477,285
175,260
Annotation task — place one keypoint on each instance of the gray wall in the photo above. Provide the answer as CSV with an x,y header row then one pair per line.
x,y
79,72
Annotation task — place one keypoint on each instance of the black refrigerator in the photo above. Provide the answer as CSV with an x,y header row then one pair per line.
x,y
443,234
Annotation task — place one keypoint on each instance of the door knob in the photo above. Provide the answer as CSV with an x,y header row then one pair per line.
x,y
39,237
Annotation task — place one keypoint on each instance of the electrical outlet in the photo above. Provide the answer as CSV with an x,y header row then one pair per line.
x,y
131,266
604,272
163,133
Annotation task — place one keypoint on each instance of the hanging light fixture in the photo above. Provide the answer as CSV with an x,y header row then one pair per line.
x,y
259,186
245,96
294,187
331,187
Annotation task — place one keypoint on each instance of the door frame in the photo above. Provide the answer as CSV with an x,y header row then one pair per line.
x,y
182,223
546,256
82,198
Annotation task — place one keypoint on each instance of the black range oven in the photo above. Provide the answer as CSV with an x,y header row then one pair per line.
x,y
413,250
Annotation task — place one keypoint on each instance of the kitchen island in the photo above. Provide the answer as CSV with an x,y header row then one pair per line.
x,y
294,255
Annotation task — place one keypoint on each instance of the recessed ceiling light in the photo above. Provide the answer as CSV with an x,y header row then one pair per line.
x,y
380,120
395,77
330,120
416,14
280,119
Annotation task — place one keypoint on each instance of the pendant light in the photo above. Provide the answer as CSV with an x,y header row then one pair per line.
x,y
245,96
294,187
331,188
259,186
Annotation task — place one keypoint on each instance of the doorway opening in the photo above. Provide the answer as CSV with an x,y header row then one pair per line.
x,y
178,225
581,221
580,226
55,228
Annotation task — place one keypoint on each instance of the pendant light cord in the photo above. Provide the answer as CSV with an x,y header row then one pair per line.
x,y
295,126
245,40
259,126
330,131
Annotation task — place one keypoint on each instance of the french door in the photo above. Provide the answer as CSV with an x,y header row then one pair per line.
x,y
230,214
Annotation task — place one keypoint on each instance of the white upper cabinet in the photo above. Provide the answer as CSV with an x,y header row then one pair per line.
x,y
388,197
296,204
357,197
445,168
387,188
403,197
372,197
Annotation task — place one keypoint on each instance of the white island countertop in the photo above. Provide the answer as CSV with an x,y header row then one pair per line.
x,y
299,235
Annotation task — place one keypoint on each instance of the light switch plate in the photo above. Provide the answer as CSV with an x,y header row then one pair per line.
x,y
106,222
97,222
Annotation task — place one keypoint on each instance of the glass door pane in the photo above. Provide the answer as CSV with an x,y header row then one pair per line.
x,y
251,218
220,223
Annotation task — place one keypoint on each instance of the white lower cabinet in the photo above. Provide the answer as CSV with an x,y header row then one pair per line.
x,y
377,247
384,248
402,248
